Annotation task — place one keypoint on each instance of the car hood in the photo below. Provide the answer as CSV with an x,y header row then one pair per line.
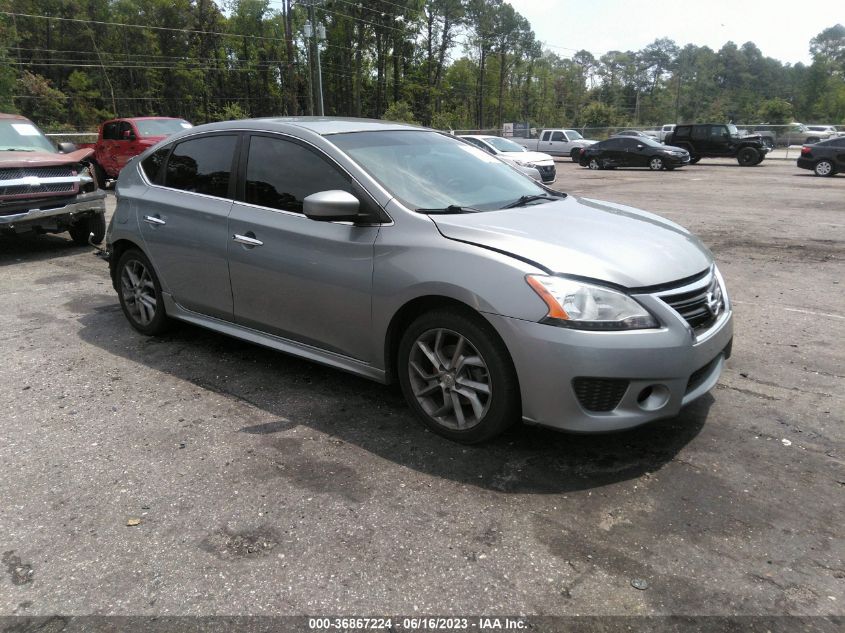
x,y
528,157
42,159
587,238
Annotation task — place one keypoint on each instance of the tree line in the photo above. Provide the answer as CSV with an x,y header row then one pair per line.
x,y
460,64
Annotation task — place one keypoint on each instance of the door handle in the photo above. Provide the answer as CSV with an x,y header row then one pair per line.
x,y
155,220
246,240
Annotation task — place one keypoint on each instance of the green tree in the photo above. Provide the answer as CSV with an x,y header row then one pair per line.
x,y
400,111
777,111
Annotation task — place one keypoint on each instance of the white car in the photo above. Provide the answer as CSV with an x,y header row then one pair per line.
x,y
515,154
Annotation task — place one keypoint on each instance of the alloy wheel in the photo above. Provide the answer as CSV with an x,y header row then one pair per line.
x,y
656,163
594,164
823,168
450,379
138,292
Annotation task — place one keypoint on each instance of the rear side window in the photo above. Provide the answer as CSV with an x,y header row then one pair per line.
x,y
700,132
202,165
546,136
110,131
681,132
558,136
153,163
279,174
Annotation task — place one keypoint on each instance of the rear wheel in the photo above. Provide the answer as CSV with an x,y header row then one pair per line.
x,y
458,377
747,157
824,168
84,227
140,293
655,163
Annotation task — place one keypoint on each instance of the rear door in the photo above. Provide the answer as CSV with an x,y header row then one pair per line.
x,y
304,280
184,222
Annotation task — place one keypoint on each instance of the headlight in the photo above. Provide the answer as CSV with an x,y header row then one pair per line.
x,y
523,163
585,306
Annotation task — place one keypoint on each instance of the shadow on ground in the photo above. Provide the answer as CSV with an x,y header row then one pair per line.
x,y
29,247
375,417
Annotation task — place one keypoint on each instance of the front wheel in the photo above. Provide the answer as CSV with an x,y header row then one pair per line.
x,y
656,163
747,157
140,293
694,159
594,164
824,168
575,154
458,377
83,228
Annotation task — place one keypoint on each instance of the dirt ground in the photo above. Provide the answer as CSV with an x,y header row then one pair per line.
x,y
266,485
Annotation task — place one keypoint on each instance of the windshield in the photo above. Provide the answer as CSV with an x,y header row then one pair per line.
x,y
428,170
161,127
647,140
21,135
573,135
503,144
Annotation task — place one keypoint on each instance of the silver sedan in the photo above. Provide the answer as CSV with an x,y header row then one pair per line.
x,y
404,255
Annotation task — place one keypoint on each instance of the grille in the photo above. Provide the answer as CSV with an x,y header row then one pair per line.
x,y
599,394
699,307
10,173
546,169
23,190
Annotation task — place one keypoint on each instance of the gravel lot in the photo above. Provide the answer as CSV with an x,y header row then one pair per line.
x,y
267,485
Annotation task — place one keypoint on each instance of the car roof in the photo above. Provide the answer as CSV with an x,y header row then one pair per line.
x,y
17,117
318,125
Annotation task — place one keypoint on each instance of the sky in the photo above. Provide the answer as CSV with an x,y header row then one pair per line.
x,y
780,28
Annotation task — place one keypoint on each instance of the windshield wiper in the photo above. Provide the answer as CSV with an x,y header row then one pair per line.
x,y
523,200
452,208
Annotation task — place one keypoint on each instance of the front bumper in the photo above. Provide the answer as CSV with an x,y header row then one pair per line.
x,y
83,203
677,365
677,161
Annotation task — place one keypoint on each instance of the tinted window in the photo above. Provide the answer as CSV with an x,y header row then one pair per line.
x,y
110,131
700,132
611,143
202,165
546,136
279,174
681,132
152,163
558,136
836,142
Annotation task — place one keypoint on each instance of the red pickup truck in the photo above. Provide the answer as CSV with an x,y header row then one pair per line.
x,y
121,139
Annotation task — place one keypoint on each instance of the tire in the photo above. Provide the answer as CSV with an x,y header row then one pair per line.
x,y
824,168
694,159
575,154
99,174
440,355
137,280
655,163
747,157
83,227
595,163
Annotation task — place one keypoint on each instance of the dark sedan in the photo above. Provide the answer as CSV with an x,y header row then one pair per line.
x,y
623,151
825,158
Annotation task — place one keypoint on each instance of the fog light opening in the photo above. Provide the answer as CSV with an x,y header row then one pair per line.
x,y
653,397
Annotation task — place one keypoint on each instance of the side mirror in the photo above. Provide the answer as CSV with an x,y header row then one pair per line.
x,y
67,148
330,206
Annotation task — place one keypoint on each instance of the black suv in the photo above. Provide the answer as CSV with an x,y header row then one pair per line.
x,y
718,140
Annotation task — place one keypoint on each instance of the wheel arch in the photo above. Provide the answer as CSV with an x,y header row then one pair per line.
x,y
413,308
116,251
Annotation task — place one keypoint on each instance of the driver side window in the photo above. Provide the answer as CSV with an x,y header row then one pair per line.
x,y
558,136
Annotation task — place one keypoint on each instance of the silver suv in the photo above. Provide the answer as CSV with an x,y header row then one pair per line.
x,y
402,254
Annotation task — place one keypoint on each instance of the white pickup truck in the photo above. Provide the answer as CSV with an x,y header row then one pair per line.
x,y
661,133
557,142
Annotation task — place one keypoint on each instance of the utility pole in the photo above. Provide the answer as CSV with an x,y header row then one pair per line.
x,y
316,33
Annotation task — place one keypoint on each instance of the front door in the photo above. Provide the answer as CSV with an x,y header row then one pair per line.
x,y
298,278
184,223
